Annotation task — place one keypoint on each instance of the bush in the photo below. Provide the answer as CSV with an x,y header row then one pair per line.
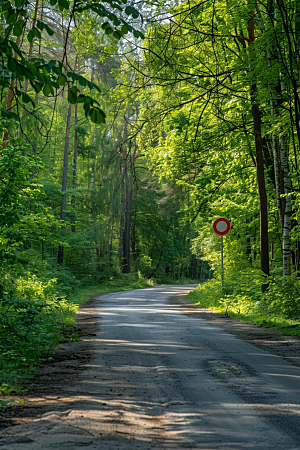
x,y
283,297
32,317
241,296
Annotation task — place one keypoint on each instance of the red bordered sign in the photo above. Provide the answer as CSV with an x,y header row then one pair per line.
x,y
221,226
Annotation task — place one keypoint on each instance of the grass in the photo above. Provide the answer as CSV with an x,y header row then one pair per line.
x,y
247,308
125,283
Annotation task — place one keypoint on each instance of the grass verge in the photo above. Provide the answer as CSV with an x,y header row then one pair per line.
x,y
253,307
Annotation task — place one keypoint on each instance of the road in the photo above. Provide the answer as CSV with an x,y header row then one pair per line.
x,y
159,379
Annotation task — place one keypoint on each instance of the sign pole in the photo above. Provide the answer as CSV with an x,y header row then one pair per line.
x,y
222,270
221,227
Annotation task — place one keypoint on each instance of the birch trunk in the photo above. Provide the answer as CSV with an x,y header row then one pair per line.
x,y
283,181
123,203
93,161
286,239
277,169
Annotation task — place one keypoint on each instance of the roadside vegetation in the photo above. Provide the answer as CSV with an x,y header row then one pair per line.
x,y
38,316
241,297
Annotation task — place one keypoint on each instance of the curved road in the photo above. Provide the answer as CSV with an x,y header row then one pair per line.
x,y
159,379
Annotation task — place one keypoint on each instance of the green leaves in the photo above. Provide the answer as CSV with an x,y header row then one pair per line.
x,y
11,64
124,29
72,95
63,4
18,29
107,28
43,26
113,20
97,115
27,99
48,90
34,33
62,80
47,76
6,6
130,11
93,112
20,3
10,16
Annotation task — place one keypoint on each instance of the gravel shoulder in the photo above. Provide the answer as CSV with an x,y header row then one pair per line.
x,y
69,361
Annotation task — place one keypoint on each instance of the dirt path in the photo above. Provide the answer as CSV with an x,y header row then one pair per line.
x,y
73,357
287,347
75,393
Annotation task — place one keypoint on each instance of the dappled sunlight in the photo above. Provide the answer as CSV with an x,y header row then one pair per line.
x,y
118,342
160,379
297,377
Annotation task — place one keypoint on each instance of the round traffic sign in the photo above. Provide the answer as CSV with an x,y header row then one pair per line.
x,y
221,226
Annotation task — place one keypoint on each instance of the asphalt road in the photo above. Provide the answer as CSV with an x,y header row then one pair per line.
x,y
160,379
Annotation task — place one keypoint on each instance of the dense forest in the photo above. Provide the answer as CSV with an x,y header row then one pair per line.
x,y
127,129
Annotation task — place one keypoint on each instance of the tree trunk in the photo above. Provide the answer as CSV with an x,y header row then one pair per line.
x,y
126,240
286,241
281,165
94,160
74,167
277,170
260,174
123,203
263,200
60,256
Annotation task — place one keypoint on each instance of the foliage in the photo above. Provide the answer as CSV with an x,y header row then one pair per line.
x,y
32,317
50,76
283,297
241,297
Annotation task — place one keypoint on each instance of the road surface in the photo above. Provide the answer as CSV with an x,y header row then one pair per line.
x,y
159,379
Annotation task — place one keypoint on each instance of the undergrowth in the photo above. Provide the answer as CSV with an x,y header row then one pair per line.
x,y
241,296
36,314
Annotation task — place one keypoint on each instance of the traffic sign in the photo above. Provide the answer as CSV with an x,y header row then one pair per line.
x,y
221,226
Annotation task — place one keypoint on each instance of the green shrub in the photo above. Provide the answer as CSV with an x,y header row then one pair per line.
x,y
242,297
283,297
32,317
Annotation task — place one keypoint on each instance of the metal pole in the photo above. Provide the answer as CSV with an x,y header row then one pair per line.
x,y
222,272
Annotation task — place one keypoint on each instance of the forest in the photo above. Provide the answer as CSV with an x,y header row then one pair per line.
x,y
127,130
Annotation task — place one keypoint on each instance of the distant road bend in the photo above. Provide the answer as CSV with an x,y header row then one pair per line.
x,y
159,379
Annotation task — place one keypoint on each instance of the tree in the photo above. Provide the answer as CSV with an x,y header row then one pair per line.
x,y
220,71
